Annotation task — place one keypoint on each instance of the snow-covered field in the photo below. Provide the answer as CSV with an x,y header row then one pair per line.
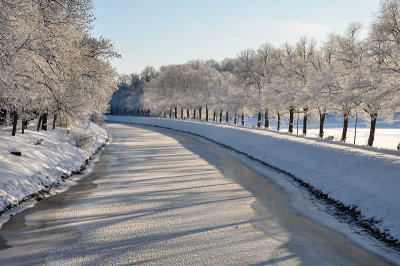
x,y
387,135
46,156
365,177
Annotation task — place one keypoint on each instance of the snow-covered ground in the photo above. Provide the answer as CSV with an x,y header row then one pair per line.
x,y
365,177
170,199
46,157
387,135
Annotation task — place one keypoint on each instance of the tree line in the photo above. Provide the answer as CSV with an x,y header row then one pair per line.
x,y
346,75
50,65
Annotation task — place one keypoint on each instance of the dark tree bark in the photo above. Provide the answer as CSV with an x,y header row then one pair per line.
x,y
39,123
206,113
194,113
170,112
291,119
54,121
148,112
187,113
266,124
200,111
242,119
372,130
176,112
215,117
181,113
279,122
235,120
15,120
345,126
227,117
3,115
259,119
220,117
22,122
355,130
305,117
44,121
321,124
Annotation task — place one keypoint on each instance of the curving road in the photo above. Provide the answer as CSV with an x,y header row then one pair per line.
x,y
159,197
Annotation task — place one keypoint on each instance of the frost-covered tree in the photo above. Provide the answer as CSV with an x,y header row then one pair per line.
x,y
348,59
322,83
286,82
250,72
50,64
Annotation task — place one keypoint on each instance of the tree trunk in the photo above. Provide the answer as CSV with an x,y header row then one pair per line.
x,y
321,124
266,124
22,122
305,116
54,121
44,121
227,117
170,112
235,121
15,120
206,113
215,117
200,111
372,130
355,130
176,112
3,115
279,122
148,112
345,126
242,119
259,119
39,123
187,114
194,113
291,119
181,113
220,117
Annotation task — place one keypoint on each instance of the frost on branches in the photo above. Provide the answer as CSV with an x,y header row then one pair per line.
x,y
50,66
347,76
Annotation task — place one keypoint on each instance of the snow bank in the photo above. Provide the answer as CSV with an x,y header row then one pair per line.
x,y
46,157
365,177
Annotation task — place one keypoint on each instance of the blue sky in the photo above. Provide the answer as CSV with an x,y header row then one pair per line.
x,y
162,32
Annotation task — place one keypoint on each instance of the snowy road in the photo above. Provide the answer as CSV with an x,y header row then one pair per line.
x,y
158,197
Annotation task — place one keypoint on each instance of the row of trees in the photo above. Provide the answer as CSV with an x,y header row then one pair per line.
x,y
126,100
50,64
347,75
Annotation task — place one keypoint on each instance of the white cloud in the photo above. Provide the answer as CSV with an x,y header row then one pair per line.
x,y
283,31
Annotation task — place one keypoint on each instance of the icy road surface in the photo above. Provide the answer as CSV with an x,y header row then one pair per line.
x,y
159,197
